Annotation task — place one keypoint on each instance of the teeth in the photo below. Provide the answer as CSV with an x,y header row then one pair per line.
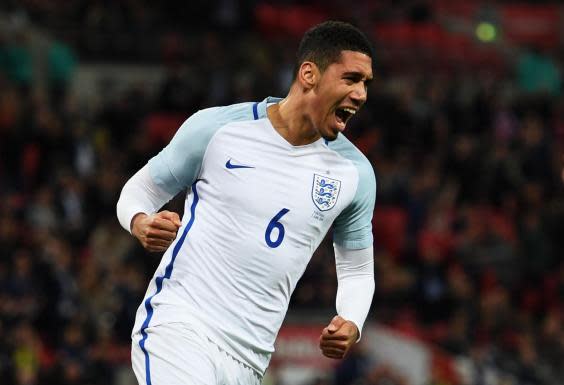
x,y
350,111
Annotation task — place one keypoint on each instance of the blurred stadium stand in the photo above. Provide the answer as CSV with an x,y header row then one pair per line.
x,y
464,126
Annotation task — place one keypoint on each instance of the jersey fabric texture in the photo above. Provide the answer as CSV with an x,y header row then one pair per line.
x,y
257,208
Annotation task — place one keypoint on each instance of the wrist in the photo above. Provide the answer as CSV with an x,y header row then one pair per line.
x,y
134,220
356,333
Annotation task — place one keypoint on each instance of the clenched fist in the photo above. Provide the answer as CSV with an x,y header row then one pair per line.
x,y
156,231
338,337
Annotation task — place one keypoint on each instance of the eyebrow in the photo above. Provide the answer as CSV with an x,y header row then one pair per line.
x,y
359,75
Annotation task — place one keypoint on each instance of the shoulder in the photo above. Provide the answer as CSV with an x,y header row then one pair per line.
x,y
203,124
179,163
221,115
346,149
353,227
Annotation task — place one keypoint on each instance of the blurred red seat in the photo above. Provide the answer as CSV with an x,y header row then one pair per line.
x,y
390,228
161,127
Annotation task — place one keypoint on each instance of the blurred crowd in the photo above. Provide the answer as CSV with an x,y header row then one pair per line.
x,y
468,221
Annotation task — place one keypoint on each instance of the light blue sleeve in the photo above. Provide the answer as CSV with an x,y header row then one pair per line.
x,y
353,227
178,164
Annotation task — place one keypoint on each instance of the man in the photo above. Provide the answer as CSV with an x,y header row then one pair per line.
x,y
266,181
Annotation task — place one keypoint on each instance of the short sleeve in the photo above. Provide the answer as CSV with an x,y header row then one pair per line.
x,y
353,227
178,164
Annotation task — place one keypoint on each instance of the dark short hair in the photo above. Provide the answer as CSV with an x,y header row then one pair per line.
x,y
323,43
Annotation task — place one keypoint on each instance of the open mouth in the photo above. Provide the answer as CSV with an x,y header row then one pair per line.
x,y
343,114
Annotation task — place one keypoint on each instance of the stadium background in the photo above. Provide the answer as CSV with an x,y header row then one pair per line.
x,y
464,126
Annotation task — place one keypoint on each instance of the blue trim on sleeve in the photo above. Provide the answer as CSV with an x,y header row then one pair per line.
x,y
159,281
255,111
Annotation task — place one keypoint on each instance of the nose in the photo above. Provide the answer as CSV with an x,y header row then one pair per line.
x,y
359,93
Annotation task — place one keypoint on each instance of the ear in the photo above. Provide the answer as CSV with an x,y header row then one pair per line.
x,y
308,75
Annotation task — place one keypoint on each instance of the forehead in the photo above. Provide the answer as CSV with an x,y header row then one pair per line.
x,y
353,61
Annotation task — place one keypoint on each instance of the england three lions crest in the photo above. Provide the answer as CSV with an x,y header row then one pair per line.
x,y
325,192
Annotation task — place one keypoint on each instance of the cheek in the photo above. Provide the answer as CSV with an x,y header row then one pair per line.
x,y
319,108
323,103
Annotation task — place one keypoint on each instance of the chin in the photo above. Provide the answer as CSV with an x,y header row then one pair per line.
x,y
331,134
330,137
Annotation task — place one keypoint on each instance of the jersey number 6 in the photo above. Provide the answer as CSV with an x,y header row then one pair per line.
x,y
272,225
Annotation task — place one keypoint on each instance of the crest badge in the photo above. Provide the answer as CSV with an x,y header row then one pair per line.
x,y
325,192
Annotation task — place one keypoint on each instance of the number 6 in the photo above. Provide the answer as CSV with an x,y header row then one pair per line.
x,y
275,224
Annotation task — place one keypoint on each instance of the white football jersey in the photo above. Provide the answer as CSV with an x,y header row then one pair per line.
x,y
256,209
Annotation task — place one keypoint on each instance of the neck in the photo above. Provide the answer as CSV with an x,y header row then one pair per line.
x,y
291,119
